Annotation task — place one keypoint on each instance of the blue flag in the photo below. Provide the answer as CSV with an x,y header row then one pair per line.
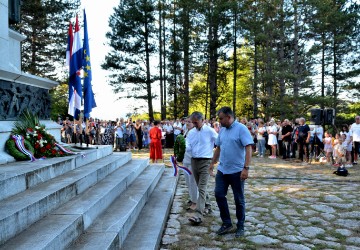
x,y
89,100
75,78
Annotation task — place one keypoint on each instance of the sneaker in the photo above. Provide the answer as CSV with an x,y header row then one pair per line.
x,y
355,163
261,156
336,165
349,165
239,232
272,157
224,229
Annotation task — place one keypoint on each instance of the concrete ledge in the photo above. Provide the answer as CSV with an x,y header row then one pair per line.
x,y
20,211
18,176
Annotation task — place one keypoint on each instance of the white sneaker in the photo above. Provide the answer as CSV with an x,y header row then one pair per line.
x,y
348,165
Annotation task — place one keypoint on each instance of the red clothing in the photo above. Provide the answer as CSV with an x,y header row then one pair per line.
x,y
155,144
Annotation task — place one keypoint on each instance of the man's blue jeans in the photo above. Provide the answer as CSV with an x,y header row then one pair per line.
x,y
222,183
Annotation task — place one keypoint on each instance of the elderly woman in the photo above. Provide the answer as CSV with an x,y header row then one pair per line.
x,y
272,141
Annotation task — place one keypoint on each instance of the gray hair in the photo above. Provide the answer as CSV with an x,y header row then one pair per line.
x,y
197,115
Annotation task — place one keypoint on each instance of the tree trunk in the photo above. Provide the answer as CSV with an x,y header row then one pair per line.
x,y
161,63
296,84
281,62
186,47
235,60
323,47
335,94
175,85
255,83
163,111
148,75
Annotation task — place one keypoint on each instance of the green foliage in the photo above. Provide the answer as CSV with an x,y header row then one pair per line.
x,y
11,148
59,101
26,120
45,25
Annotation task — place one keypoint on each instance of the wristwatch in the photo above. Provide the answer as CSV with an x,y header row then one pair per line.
x,y
246,167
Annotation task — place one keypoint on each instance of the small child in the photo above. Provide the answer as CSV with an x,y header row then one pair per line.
x,y
328,147
335,149
340,153
348,148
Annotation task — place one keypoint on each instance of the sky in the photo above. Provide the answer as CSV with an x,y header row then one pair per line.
x,y
97,14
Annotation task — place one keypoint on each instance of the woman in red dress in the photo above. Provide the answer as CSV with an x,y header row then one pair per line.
x,y
155,144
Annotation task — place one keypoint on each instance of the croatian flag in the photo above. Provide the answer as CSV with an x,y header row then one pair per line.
x,y
89,100
75,79
68,59
69,45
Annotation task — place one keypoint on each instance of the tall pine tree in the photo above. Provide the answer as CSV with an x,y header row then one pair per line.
x,y
132,41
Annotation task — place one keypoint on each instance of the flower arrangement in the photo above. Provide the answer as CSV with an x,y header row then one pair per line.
x,y
33,137
43,143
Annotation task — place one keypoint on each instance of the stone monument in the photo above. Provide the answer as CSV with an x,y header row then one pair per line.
x,y
19,90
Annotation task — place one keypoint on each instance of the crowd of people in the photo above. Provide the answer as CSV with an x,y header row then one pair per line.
x,y
274,138
229,142
299,140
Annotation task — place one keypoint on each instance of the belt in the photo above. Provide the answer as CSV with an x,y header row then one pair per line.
x,y
201,159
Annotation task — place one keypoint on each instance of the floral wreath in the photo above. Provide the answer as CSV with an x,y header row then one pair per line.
x,y
30,140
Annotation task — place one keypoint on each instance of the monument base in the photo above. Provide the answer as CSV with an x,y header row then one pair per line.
x,y
5,130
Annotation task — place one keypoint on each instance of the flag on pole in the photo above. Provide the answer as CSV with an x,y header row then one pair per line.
x,y
68,59
89,100
75,68
69,45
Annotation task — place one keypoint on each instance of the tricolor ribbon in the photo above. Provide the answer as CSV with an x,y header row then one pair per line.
x,y
67,151
19,142
176,166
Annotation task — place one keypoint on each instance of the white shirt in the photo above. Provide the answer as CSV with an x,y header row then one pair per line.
x,y
168,128
319,132
201,142
119,132
355,130
177,131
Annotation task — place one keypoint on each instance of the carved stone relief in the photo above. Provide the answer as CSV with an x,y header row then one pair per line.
x,y
16,97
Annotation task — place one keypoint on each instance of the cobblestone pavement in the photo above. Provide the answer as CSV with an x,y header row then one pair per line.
x,y
289,206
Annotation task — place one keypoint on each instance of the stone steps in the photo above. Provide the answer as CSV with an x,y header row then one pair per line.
x,y
21,210
148,229
86,204
18,176
111,228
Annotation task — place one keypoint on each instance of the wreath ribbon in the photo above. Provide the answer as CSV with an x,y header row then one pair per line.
x,y
19,142
176,166
67,151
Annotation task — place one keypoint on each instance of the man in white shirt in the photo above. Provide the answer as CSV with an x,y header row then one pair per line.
x,y
355,137
200,142
177,128
168,128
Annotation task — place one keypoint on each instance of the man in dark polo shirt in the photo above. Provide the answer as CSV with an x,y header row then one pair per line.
x,y
286,139
303,139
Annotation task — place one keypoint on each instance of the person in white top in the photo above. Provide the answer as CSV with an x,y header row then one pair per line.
x,y
355,137
317,143
272,141
190,180
200,142
177,128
